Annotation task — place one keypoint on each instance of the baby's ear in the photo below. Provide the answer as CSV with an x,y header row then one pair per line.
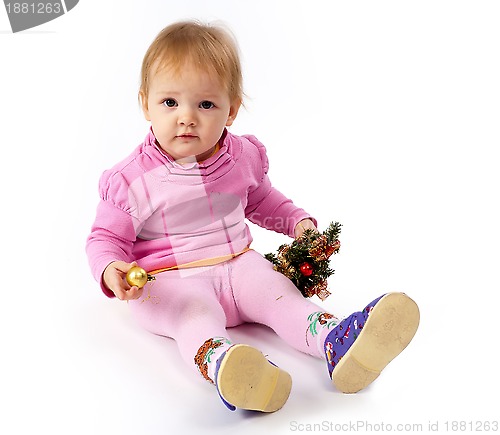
x,y
144,104
233,112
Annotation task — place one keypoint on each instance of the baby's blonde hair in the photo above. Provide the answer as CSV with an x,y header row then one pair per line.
x,y
207,47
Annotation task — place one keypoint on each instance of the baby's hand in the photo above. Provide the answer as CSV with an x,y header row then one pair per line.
x,y
306,224
114,279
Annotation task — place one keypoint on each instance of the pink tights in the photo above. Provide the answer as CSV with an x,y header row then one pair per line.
x,y
193,305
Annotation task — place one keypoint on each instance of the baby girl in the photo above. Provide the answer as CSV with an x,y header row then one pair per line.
x,y
178,204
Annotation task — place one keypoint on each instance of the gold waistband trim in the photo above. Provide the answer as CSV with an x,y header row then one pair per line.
x,y
200,263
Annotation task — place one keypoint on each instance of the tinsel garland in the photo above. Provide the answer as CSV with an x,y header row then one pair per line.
x,y
306,261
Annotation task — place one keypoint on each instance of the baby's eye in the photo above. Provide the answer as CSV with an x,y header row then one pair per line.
x,y
207,105
169,102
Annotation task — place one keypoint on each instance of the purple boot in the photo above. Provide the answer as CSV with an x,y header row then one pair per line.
x,y
245,379
361,345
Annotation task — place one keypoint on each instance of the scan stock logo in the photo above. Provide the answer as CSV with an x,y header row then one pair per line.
x,y
25,15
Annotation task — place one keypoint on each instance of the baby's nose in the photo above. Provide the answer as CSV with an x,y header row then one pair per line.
x,y
187,117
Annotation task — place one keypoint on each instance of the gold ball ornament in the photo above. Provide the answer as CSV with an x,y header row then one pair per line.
x,y
137,276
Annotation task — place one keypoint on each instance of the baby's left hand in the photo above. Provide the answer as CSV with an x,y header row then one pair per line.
x,y
303,225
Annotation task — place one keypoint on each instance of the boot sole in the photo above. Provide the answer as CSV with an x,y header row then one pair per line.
x,y
247,380
389,328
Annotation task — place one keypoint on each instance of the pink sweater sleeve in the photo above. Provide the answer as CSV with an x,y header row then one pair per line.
x,y
268,207
105,246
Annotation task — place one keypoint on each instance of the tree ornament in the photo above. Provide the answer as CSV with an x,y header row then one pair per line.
x,y
321,250
306,269
320,290
138,277
306,261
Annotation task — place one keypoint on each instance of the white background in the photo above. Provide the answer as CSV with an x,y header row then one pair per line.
x,y
383,115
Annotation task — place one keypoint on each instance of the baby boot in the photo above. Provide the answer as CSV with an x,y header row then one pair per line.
x,y
246,379
361,345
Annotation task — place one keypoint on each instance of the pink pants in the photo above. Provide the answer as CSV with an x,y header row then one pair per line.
x,y
193,305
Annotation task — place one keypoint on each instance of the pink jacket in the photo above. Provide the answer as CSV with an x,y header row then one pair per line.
x,y
162,214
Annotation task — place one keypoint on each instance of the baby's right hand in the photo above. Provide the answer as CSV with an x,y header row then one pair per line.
x,y
114,279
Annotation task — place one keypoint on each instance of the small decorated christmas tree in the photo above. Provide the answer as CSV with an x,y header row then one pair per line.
x,y
306,261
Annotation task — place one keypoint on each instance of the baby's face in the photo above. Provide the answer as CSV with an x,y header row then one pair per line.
x,y
188,112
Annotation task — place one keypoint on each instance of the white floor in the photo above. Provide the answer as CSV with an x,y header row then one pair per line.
x,y
398,106
90,369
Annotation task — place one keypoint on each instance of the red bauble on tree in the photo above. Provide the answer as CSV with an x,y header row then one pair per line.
x,y
306,269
